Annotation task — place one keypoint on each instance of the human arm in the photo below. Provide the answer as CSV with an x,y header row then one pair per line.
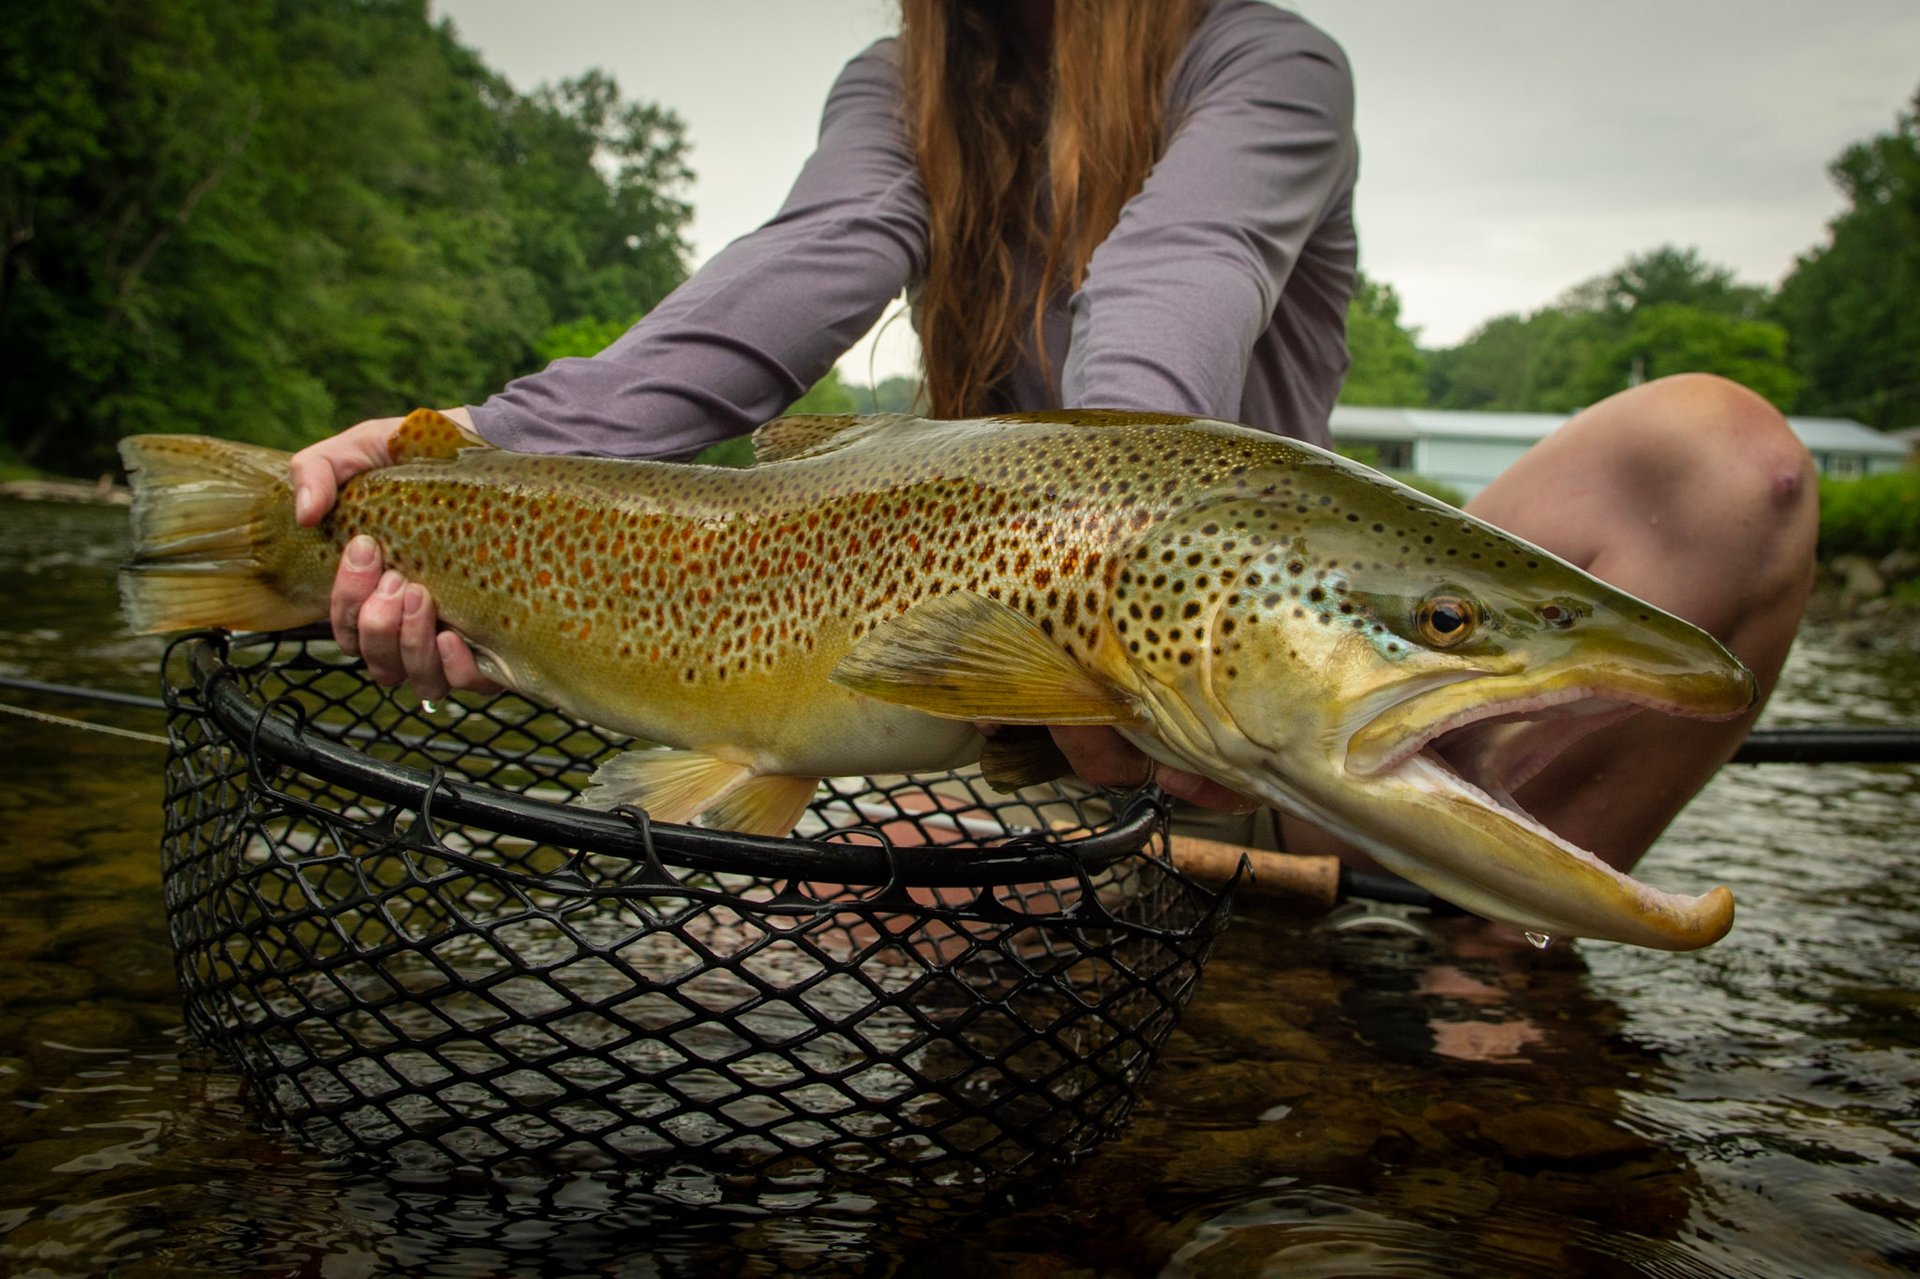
x,y
1239,239
764,319
1222,289
731,348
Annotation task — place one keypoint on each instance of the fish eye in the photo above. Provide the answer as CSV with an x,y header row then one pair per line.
x,y
1445,619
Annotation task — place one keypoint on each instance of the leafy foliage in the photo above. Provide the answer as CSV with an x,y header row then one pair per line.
x,y
1386,366
1850,304
1663,312
828,395
268,218
897,394
1870,516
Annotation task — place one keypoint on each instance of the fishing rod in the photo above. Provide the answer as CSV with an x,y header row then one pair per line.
x,y
1321,882
1895,744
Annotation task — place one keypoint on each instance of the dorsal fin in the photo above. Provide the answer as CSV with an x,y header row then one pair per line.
x,y
427,434
805,434
1096,418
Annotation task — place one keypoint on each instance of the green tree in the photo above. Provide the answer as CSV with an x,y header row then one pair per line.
x,y
1670,276
267,218
582,337
897,394
1662,312
594,182
1495,368
1850,303
1386,365
829,395
1674,337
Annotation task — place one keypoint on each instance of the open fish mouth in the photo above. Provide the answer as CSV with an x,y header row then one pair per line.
x,y
1465,748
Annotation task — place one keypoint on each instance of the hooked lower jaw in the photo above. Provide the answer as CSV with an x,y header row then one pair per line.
x,y
1481,850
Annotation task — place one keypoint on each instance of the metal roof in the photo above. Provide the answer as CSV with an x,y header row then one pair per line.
x,y
1819,434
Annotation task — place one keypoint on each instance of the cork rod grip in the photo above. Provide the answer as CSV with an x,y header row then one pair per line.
x,y
1299,881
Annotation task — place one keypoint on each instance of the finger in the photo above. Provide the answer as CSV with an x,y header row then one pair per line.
x,y
380,631
318,471
419,653
462,668
358,577
1202,791
1101,757
314,488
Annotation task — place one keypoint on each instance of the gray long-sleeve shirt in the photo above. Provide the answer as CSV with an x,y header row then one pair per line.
x,y
1221,292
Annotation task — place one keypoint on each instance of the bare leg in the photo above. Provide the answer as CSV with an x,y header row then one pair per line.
x,y
1693,494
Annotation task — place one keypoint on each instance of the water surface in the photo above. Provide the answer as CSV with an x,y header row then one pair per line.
x,y
1374,1099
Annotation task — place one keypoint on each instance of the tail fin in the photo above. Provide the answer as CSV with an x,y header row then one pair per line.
x,y
213,536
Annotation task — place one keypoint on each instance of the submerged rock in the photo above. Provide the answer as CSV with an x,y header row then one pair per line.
x,y
1860,578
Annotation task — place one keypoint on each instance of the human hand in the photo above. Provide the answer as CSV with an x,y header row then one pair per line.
x,y
392,625
377,614
1101,757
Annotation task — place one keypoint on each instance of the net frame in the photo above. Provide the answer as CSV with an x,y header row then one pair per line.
x,y
415,949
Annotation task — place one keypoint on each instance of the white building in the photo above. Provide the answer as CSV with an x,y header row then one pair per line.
x,y
1467,449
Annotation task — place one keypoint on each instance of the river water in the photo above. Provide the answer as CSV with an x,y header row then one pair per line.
x,y
1365,1099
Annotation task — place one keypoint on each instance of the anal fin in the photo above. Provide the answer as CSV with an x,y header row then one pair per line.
x,y
671,785
769,805
680,785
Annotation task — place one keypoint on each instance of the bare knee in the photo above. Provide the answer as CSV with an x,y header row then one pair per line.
x,y
1699,465
1733,442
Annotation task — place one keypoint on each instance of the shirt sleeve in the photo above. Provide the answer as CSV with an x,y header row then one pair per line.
x,y
1175,299
764,319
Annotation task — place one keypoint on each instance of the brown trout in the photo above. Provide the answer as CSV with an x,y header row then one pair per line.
x,y
1273,616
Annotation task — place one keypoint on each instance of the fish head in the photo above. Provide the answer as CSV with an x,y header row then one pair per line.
x,y
1390,668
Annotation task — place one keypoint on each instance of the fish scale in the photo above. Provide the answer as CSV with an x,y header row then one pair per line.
x,y
1267,614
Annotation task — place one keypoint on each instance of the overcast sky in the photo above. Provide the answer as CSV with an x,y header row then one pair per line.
x,y
1509,148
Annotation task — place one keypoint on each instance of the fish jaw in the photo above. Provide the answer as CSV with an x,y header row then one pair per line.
x,y
1516,870
1421,818
1440,765
1409,724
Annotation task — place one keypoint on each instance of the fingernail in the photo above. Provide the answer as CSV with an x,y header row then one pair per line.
x,y
361,552
303,500
411,602
390,583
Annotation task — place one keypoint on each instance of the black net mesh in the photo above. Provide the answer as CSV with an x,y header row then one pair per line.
x,y
411,949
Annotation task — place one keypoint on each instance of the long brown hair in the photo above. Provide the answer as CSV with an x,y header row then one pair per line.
x,y
988,120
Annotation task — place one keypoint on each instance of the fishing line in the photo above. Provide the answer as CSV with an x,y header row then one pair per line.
x,y
64,722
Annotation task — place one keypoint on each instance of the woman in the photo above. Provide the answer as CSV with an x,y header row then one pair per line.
x,y
1134,204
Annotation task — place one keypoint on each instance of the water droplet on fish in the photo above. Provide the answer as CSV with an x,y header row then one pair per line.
x,y
1539,941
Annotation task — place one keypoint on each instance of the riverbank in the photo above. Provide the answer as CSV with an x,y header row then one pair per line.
x,y
1869,603
103,491
1865,602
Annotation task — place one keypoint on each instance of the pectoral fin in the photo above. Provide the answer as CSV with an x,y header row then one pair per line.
x,y
962,656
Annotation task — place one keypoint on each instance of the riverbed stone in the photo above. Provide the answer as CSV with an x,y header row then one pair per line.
x,y
1553,1133
82,1026
1860,578
1899,565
